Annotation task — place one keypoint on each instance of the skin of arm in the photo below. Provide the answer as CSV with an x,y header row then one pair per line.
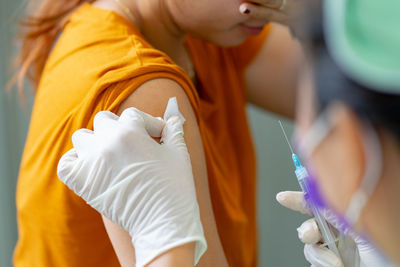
x,y
271,78
152,98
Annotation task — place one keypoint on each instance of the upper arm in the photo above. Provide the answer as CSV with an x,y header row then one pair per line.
x,y
152,97
271,78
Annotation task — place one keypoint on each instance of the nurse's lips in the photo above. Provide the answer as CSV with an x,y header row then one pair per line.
x,y
252,30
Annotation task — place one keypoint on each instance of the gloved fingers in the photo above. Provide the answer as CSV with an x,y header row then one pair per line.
x,y
173,132
293,200
82,140
133,116
308,232
65,167
105,120
321,256
154,125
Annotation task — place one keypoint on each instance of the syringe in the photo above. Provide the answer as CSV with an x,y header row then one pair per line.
x,y
328,237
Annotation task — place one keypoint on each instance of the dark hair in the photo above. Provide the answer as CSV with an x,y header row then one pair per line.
x,y
381,109
333,84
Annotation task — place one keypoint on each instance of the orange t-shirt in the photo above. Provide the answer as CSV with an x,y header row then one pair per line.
x,y
98,61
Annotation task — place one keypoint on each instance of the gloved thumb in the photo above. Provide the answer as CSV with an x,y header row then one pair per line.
x,y
66,165
173,132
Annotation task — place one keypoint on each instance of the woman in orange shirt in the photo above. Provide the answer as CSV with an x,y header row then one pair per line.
x,y
347,135
87,56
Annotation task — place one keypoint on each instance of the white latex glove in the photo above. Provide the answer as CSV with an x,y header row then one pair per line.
x,y
354,250
145,187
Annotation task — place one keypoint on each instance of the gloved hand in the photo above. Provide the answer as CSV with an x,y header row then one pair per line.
x,y
354,250
145,187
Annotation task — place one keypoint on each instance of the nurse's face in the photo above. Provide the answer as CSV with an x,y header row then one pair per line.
x,y
217,21
338,160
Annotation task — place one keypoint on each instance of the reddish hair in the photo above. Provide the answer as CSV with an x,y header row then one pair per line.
x,y
39,30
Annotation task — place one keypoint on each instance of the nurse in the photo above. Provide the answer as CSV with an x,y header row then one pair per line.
x,y
348,131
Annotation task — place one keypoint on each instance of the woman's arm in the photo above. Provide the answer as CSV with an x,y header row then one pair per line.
x,y
122,243
271,79
180,256
152,97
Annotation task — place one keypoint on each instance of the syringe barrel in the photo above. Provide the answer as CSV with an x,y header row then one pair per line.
x,y
327,235
302,174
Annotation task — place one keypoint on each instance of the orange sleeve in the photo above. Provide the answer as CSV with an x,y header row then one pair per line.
x,y
118,92
246,52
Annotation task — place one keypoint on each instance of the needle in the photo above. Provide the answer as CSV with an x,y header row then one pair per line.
x,y
287,140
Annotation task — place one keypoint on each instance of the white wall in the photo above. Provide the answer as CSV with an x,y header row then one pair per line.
x,y
13,127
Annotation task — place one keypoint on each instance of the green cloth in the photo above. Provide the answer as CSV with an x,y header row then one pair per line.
x,y
363,37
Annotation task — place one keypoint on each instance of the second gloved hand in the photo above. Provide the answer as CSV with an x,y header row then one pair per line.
x,y
145,187
354,250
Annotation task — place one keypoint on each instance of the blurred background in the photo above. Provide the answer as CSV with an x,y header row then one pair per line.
x,y
279,245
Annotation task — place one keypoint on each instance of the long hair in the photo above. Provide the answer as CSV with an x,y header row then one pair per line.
x,y
38,32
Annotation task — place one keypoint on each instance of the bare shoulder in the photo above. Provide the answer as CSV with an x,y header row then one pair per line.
x,y
152,97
